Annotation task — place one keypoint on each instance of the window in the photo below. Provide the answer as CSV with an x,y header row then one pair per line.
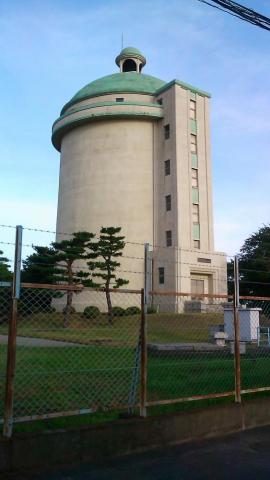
x,y
168,201
161,275
196,244
192,109
193,143
204,260
196,231
129,65
167,131
195,195
167,165
168,238
195,213
119,99
194,176
194,160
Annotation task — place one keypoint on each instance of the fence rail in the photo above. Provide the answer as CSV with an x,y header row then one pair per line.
x,y
79,359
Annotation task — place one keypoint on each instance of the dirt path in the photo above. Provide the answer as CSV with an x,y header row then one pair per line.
x,y
38,342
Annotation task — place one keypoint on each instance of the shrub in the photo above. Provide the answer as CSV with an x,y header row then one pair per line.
x,y
151,309
70,310
132,311
118,311
91,311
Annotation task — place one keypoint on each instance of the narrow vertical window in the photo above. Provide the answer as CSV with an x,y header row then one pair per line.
x,y
192,109
193,143
196,231
168,202
161,275
168,238
194,176
195,213
167,164
195,195
167,131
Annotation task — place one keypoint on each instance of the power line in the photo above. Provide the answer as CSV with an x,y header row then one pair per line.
x,y
240,11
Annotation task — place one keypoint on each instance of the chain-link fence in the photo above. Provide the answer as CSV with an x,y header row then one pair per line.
x,y
254,338
78,358
76,353
188,356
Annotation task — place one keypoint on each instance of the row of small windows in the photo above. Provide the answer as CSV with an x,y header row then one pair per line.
x,y
194,180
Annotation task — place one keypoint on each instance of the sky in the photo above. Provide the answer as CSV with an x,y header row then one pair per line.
x,y
49,50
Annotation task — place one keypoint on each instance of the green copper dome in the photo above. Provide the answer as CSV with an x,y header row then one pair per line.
x,y
128,82
131,51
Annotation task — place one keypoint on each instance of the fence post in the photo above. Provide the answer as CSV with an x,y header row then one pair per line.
x,y
12,334
237,359
147,275
143,389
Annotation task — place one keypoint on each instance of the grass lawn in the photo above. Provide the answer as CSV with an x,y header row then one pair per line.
x,y
98,370
161,327
51,379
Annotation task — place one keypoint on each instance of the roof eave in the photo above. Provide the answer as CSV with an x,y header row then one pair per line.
x,y
184,85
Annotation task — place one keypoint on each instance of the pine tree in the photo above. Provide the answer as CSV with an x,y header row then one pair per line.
x,y
5,274
102,263
254,263
56,264
39,267
67,252
5,292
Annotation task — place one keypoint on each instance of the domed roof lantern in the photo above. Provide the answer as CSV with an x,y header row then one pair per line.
x,y
130,59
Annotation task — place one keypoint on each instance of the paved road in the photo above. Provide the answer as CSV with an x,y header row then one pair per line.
x,y
242,456
37,342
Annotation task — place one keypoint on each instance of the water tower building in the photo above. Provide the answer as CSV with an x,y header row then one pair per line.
x,y
135,153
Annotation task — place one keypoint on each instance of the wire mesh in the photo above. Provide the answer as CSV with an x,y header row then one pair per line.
x,y
188,354
76,358
5,306
254,320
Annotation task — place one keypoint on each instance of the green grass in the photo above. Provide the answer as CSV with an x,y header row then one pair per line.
x,y
98,370
69,378
161,328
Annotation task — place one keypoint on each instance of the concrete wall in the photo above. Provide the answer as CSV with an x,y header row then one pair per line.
x,y
99,442
106,179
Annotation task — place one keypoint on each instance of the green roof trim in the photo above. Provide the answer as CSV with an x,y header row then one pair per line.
x,y
125,82
106,104
70,124
184,85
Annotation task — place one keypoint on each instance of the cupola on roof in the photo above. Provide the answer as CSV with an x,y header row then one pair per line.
x,y
129,80
130,59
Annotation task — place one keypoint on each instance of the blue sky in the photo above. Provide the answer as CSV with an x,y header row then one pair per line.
x,y
49,50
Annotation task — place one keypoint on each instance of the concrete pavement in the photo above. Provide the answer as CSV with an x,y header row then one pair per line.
x,y
241,456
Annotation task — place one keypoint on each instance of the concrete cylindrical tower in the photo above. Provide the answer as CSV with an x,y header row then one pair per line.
x,y
106,135
135,154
